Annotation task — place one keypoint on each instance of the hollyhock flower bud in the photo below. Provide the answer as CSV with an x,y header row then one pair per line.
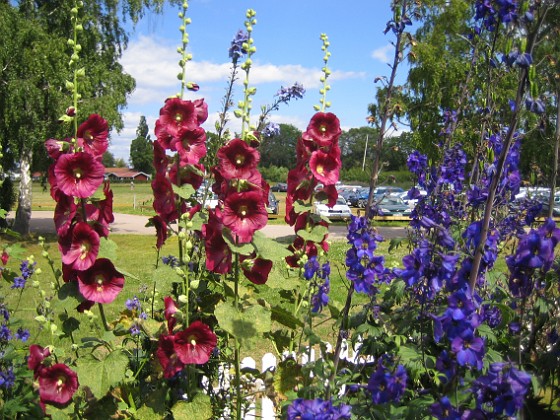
x,y
193,86
71,111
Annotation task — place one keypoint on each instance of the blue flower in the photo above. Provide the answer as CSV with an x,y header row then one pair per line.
x,y
385,386
271,129
7,378
321,297
468,349
317,409
133,304
443,410
170,260
19,283
4,312
22,334
293,92
310,268
5,333
134,330
236,49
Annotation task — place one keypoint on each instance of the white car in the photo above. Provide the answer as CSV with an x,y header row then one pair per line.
x,y
340,211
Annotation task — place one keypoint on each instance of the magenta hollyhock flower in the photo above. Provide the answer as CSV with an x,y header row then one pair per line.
x,y
168,357
170,309
101,283
176,115
323,129
36,356
80,246
5,257
301,183
244,213
191,145
64,213
160,159
201,109
57,384
164,140
256,269
325,167
78,174
218,254
93,135
164,198
237,159
195,344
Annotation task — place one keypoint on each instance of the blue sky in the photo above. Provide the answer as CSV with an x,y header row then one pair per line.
x,y
288,50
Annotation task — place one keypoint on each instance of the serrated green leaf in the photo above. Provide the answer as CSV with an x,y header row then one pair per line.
x,y
268,248
184,191
246,326
100,375
315,234
107,249
200,408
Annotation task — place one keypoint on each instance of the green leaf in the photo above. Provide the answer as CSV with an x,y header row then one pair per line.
x,y
268,248
200,408
315,234
246,326
107,249
285,317
198,219
283,283
100,375
69,296
184,191
301,207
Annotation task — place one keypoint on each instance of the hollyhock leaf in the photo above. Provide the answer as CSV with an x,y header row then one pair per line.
x,y
277,282
184,191
69,296
301,207
243,249
247,326
100,375
268,248
107,249
285,317
199,408
316,234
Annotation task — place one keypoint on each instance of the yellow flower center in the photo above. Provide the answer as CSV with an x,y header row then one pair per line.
x,y
99,280
239,160
323,128
77,173
178,117
320,169
84,249
243,211
88,136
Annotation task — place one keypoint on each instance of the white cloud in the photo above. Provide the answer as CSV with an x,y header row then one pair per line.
x,y
154,66
383,54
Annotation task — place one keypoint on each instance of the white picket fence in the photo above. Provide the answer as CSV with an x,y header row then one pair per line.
x,y
263,407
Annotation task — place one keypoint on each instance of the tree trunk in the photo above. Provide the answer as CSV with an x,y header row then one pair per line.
x,y
23,213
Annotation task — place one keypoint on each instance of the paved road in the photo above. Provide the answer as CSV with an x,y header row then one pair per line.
x,y
42,223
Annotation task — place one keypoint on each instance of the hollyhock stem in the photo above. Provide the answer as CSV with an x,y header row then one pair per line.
x,y
103,318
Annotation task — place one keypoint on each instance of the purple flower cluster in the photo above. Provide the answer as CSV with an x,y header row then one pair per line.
x,y
312,270
27,269
458,323
502,390
7,378
170,260
365,269
494,12
286,94
237,49
535,253
453,168
317,409
386,386
271,129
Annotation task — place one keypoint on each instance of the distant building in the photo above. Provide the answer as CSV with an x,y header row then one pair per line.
x,y
126,175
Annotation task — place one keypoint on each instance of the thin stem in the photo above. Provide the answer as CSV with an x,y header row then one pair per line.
x,y
103,318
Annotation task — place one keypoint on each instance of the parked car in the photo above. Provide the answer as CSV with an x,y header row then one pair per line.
x,y
393,206
355,197
272,207
280,187
387,190
411,202
340,211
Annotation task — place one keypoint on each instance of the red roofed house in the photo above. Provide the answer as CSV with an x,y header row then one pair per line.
x,y
126,175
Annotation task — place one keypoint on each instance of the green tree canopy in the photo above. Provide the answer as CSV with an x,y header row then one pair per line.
x,y
141,149
280,150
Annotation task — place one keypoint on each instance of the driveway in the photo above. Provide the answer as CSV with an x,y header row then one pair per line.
x,y
42,223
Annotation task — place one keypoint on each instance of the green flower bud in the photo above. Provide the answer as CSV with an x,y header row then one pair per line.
x,y
182,299
79,27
